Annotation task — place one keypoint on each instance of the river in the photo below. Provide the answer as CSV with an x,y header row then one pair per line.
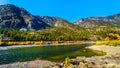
x,y
56,53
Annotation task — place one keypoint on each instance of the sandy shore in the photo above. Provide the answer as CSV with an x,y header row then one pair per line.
x,y
110,50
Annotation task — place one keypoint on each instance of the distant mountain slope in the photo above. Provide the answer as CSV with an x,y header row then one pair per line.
x,y
18,18
99,21
57,22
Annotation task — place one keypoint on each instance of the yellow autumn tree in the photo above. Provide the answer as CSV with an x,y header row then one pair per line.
x,y
0,42
107,39
118,36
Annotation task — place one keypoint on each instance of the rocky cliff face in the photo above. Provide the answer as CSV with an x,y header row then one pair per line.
x,y
18,18
15,17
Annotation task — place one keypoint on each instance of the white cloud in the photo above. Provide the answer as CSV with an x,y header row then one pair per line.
x,y
3,2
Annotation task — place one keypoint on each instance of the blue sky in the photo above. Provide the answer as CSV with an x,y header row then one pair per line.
x,y
70,10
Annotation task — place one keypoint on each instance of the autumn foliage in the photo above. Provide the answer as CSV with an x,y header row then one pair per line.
x,y
112,39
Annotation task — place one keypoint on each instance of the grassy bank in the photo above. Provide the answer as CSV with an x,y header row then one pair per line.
x,y
109,43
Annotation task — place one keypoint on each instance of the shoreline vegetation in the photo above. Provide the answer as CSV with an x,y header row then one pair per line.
x,y
42,43
18,44
12,45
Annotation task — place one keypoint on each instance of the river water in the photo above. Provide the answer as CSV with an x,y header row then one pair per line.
x,y
55,53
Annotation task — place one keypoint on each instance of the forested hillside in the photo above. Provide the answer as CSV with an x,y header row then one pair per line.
x,y
60,34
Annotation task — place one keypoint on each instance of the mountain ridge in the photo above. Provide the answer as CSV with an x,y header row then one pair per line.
x,y
99,21
14,17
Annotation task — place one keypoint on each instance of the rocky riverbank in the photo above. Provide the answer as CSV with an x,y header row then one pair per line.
x,y
29,64
110,60
91,62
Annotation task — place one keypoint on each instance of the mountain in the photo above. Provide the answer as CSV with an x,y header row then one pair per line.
x,y
56,22
18,18
112,20
14,17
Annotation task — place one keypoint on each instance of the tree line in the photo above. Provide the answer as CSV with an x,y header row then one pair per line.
x,y
58,34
